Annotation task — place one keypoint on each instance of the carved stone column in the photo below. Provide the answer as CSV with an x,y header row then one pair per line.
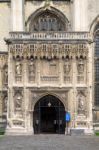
x,y
17,11
10,110
60,72
80,15
74,109
38,73
90,77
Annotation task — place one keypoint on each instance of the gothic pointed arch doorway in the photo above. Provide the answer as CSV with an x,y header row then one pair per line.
x,y
49,116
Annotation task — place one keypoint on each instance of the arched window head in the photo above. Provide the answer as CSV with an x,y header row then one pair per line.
x,y
97,41
47,20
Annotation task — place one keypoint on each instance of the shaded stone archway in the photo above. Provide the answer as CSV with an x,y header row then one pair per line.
x,y
49,116
50,19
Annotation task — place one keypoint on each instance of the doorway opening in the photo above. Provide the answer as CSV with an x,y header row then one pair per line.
x,y
49,116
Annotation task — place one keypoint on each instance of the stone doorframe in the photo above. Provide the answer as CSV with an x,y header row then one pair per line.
x,y
37,94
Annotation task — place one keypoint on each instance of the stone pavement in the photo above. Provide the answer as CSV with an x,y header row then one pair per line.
x,y
49,142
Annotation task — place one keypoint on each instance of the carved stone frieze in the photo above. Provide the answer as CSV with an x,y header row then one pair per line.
x,y
18,123
49,51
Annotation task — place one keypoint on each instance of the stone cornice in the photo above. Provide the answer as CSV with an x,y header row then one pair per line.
x,y
24,37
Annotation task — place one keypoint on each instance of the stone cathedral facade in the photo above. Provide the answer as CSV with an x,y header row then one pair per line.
x,y
49,65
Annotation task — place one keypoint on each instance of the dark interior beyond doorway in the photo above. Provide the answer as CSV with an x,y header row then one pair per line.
x,y
49,116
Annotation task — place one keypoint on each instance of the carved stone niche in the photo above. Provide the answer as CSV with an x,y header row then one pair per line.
x,y
31,70
81,103
18,101
80,66
5,76
5,99
18,70
81,70
67,70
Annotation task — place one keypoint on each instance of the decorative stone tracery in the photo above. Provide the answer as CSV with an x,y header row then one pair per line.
x,y
49,50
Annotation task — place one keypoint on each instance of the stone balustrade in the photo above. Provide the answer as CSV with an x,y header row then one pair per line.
x,y
51,36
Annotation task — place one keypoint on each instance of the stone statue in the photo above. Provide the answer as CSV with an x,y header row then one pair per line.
x,y
6,75
31,68
18,68
5,104
80,67
18,101
81,104
67,67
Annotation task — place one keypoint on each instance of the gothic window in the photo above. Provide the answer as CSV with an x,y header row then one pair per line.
x,y
48,21
97,66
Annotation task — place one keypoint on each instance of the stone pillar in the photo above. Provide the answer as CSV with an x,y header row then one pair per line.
x,y
80,15
90,83
60,73
74,109
17,14
38,73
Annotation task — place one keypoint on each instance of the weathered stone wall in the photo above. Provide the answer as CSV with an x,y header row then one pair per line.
x,y
93,11
32,6
4,24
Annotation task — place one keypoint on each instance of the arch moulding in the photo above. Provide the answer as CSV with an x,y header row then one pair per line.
x,y
62,96
50,9
94,24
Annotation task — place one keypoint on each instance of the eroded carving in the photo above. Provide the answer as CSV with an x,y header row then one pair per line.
x,y
81,98
67,70
31,70
18,97
18,68
80,66
5,100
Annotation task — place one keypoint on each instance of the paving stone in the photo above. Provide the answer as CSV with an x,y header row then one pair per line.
x,y
49,142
